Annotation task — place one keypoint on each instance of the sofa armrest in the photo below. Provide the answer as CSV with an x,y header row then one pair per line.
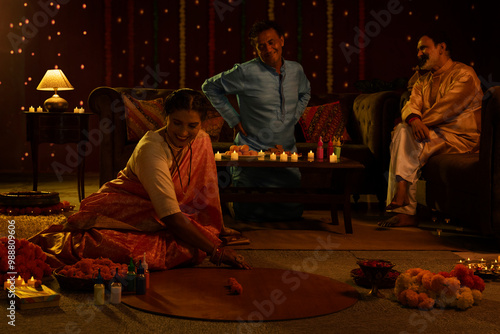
x,y
373,121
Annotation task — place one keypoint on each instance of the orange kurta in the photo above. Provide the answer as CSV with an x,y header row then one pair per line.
x,y
449,103
121,221
452,109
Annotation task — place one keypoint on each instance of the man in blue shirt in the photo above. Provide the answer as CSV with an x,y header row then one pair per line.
x,y
272,95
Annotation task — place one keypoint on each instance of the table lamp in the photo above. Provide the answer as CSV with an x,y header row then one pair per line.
x,y
55,80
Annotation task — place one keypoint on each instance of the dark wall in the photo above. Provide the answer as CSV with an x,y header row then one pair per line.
x,y
138,43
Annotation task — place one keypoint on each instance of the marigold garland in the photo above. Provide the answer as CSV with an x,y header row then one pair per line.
x,y
361,57
182,44
130,36
156,23
270,10
243,31
299,30
107,43
211,39
329,47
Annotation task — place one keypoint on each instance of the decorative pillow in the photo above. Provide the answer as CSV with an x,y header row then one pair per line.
x,y
213,124
142,116
326,121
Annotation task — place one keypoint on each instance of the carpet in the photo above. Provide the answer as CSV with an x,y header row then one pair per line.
x,y
268,294
314,232
319,234
26,226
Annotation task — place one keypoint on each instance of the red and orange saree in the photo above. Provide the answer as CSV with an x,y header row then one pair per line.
x,y
119,221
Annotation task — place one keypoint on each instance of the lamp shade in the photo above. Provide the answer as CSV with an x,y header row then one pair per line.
x,y
54,80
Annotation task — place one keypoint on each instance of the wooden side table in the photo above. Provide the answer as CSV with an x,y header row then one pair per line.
x,y
59,128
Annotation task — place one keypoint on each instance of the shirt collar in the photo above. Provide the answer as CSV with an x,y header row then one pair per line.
x,y
444,68
272,69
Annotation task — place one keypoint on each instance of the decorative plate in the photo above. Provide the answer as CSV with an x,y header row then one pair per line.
x,y
387,283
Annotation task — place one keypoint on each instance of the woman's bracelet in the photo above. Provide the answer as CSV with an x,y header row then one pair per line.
x,y
217,254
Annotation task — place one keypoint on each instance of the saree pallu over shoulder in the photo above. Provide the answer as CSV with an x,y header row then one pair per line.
x,y
119,221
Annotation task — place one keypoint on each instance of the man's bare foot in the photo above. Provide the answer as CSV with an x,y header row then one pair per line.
x,y
400,220
400,198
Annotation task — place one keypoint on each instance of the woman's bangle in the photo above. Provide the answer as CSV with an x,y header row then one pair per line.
x,y
217,254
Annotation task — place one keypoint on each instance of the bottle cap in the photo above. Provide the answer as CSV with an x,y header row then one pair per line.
x,y
131,266
99,279
144,263
116,278
140,271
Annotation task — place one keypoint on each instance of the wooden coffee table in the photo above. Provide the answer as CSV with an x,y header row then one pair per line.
x,y
335,190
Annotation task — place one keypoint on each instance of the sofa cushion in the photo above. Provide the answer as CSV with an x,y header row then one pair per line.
x,y
327,121
142,116
213,124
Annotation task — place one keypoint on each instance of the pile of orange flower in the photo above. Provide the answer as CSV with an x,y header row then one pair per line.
x,y
26,259
234,286
459,288
88,269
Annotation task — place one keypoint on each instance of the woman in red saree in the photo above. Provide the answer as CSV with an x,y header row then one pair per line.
x,y
164,203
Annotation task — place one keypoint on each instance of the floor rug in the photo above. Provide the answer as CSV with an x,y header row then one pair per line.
x,y
27,226
366,236
268,294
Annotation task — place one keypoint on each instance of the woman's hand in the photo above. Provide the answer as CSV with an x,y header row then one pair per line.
x,y
231,258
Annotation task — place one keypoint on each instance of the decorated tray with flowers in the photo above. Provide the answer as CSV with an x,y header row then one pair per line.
x,y
387,282
82,275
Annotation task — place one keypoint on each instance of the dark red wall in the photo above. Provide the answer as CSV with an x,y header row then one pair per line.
x,y
121,42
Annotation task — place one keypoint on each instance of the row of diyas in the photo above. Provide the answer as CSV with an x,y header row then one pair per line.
x,y
294,157
483,266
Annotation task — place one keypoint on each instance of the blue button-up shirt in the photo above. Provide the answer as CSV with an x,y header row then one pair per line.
x,y
270,103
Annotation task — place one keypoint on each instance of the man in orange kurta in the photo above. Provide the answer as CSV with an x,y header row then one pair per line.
x,y
443,115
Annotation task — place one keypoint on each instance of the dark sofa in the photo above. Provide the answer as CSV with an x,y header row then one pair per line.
x,y
370,119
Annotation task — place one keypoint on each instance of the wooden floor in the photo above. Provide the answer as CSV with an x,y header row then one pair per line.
x,y
367,208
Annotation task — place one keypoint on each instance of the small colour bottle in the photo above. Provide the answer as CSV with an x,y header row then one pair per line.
x,y
319,150
140,287
116,290
99,290
146,270
130,287
330,147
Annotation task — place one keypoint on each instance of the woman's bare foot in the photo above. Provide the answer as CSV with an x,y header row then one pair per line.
x,y
400,220
226,231
400,198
